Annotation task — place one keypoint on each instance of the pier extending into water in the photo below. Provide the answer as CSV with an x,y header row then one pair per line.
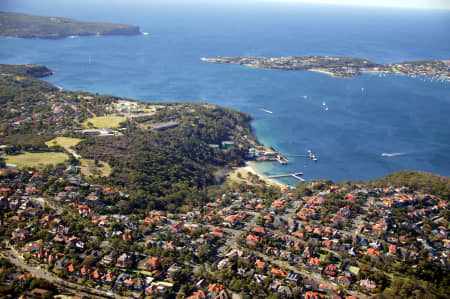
x,y
294,175
309,154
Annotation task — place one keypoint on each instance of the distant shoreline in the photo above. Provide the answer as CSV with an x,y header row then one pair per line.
x,y
18,25
341,67
321,71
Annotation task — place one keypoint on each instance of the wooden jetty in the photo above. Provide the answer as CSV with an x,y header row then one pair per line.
x,y
294,175
310,155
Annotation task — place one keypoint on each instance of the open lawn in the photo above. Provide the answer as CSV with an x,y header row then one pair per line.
x,y
108,121
88,168
65,142
36,159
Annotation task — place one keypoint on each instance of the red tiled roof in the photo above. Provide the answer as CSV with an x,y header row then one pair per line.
x,y
314,261
215,288
279,272
260,264
313,295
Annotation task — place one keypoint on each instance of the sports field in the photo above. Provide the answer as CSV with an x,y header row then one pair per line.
x,y
36,159
65,142
88,168
108,121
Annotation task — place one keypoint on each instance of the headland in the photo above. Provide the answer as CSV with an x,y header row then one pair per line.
x,y
341,67
20,25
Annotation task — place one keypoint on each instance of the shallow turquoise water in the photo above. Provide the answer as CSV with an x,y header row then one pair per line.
x,y
367,116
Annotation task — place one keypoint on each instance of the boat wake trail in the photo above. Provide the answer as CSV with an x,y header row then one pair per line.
x,y
392,154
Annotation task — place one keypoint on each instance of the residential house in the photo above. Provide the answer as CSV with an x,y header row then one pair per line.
x,y
259,279
343,281
125,260
33,246
314,263
253,240
313,295
177,227
86,271
261,265
107,259
150,264
330,270
197,295
294,277
368,284
214,289
20,234
278,272
285,291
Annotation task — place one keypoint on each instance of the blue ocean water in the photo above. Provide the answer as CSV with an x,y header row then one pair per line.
x,y
366,117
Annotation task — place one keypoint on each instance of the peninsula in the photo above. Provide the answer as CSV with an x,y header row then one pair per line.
x,y
32,26
341,67
31,70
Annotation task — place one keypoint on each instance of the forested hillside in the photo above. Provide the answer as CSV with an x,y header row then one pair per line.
x,y
157,168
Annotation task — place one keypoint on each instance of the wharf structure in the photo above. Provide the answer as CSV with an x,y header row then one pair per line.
x,y
294,175
266,156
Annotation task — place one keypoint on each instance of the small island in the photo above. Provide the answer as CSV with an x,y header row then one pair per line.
x,y
341,67
20,25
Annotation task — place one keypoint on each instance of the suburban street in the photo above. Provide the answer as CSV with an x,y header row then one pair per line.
x,y
15,258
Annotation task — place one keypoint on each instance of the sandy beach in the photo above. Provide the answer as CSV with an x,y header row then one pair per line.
x,y
244,170
321,71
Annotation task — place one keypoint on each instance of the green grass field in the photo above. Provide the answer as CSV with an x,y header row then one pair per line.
x,y
65,142
109,121
88,168
36,159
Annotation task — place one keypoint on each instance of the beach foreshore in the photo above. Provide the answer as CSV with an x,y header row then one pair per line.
x,y
249,168
322,71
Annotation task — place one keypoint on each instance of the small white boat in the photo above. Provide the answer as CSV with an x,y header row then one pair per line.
x,y
392,154
324,104
326,108
145,33
268,111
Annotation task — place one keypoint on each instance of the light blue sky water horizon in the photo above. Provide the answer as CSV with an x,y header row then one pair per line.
x,y
417,4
